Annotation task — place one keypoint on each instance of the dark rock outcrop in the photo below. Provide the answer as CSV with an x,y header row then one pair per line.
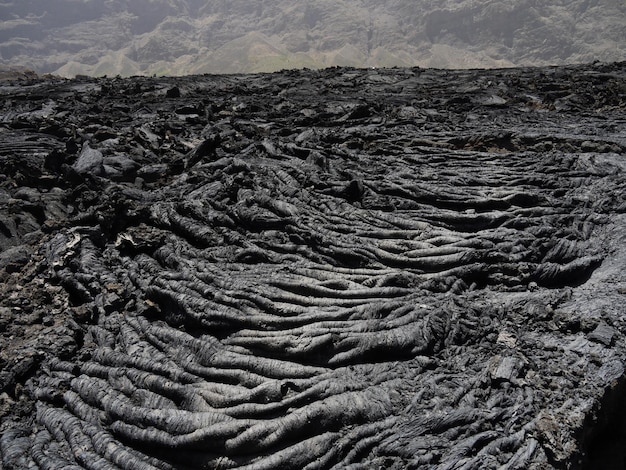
x,y
396,268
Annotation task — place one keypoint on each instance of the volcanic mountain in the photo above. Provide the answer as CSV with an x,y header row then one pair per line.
x,y
179,37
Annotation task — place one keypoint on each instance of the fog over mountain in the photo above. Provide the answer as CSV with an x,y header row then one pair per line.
x,y
178,37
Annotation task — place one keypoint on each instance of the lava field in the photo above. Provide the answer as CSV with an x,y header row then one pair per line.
x,y
343,268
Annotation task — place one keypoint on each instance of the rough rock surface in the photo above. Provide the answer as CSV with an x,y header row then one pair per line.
x,y
395,268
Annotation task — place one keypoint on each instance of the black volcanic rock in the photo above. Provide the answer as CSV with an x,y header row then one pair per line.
x,y
90,161
344,268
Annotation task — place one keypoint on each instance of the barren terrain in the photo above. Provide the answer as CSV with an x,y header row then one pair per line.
x,y
389,268
182,37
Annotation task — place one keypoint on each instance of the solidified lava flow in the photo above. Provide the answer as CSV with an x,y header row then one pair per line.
x,y
345,268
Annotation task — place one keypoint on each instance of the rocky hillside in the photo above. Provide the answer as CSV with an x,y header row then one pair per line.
x,y
179,37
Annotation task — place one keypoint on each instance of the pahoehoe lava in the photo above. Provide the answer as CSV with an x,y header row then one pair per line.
x,y
344,268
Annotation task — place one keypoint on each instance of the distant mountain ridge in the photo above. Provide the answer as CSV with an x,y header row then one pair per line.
x,y
180,37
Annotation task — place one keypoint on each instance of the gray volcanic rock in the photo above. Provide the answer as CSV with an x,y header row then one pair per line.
x,y
178,37
345,268
89,161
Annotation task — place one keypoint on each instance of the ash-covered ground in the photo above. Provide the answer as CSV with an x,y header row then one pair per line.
x,y
346,268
